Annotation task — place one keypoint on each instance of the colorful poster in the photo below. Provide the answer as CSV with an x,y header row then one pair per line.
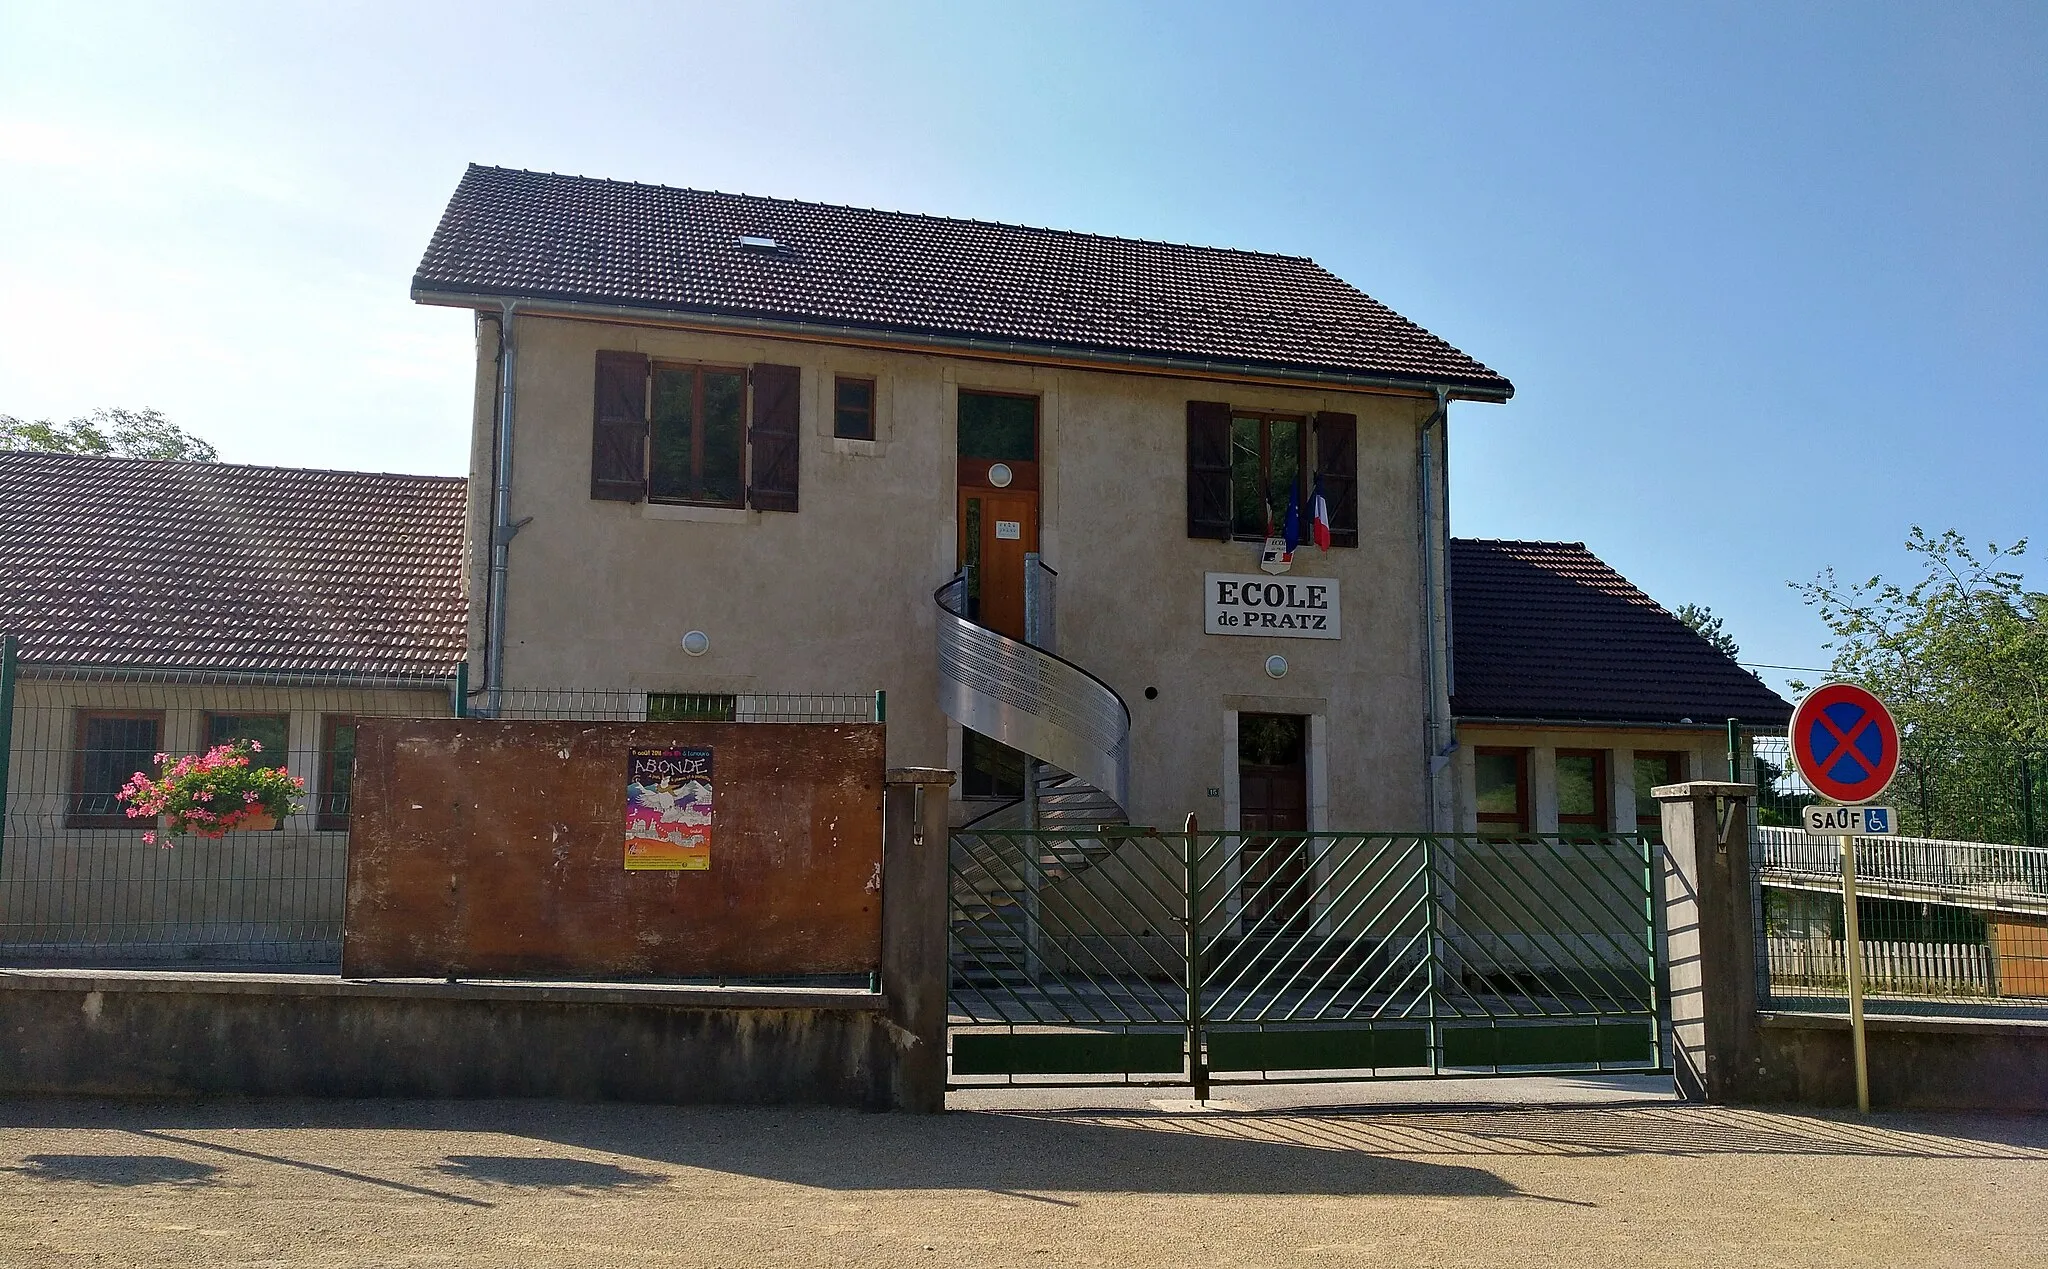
x,y
668,810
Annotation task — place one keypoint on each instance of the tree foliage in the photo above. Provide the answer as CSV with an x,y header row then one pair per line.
x,y
1961,656
1709,627
126,433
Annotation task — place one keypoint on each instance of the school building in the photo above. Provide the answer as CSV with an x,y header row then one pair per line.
x,y
1027,482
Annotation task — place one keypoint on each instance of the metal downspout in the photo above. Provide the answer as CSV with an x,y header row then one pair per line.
x,y
1435,750
502,527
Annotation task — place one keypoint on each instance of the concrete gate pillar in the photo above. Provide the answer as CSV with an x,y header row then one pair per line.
x,y
1710,925
916,975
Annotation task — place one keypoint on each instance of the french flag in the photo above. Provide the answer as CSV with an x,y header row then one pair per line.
x,y
1319,517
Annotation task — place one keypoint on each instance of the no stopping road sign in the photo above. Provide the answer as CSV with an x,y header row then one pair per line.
x,y
1845,743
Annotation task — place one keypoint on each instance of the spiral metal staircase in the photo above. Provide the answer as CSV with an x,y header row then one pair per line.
x,y
1075,730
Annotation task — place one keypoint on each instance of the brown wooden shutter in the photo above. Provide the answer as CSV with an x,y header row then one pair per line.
x,y
1208,470
1337,466
618,432
774,437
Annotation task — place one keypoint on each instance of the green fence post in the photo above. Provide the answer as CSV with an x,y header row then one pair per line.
x,y
462,689
1198,1070
881,706
8,650
1432,920
1735,749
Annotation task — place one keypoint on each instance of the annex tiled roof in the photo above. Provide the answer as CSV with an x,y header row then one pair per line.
x,y
1546,630
210,566
537,235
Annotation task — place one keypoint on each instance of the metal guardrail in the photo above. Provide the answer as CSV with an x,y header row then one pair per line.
x,y
1030,699
1979,875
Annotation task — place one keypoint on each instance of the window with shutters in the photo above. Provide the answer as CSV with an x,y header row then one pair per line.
x,y
697,434
681,433
1244,466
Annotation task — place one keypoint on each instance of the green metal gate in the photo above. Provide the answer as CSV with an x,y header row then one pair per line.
x,y
1130,956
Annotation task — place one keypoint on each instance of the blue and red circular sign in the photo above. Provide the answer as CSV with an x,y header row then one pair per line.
x,y
1845,743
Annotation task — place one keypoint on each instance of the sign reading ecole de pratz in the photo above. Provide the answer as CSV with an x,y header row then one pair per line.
x,y
1255,604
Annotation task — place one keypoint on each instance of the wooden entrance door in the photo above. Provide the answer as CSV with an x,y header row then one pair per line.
x,y
1272,790
997,528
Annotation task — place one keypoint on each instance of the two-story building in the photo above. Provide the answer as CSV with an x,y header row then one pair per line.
x,y
1027,482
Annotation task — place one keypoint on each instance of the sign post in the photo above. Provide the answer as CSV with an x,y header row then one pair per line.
x,y
1846,747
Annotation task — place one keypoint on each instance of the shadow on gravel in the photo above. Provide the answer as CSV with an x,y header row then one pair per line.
x,y
117,1169
545,1172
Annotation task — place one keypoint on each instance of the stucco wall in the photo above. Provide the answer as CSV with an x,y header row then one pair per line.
x,y
837,597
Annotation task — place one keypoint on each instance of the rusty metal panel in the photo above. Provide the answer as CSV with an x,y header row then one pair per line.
x,y
480,848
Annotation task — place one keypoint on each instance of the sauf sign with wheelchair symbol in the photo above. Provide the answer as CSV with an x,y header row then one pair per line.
x,y
1851,821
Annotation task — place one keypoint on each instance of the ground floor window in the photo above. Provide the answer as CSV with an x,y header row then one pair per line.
x,y
108,748
1582,791
692,707
272,731
337,772
1501,787
989,768
1653,769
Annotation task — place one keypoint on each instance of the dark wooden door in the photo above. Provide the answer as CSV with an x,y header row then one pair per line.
x,y
1274,874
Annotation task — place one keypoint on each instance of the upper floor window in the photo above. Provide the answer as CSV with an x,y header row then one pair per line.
x,y
697,434
1582,791
853,409
1265,472
719,436
110,747
1244,465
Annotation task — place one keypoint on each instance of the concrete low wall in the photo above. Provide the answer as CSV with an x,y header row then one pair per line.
x,y
145,1033
1915,1063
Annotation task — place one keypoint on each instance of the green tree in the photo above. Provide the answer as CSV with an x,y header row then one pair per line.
x,y
127,433
1961,657
1705,624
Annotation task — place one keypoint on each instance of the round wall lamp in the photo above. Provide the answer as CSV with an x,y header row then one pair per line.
x,y
1000,475
696,643
1276,666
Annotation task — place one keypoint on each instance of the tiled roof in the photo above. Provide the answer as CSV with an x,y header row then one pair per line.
x,y
210,566
1546,630
537,235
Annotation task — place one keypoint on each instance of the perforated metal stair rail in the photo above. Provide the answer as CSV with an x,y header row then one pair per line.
x,y
1032,700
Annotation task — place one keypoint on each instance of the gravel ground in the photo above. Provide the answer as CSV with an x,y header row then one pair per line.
x,y
1634,1182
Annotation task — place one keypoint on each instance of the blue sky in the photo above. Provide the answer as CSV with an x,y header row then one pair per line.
x,y
1772,280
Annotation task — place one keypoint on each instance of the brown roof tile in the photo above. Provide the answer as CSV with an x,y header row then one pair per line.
x,y
212,566
1546,630
537,235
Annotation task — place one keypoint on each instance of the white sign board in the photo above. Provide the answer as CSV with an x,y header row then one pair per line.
x,y
1851,821
1254,604
1009,530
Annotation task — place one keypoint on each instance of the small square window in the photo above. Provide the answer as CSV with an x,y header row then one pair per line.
x,y
853,409
1653,769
